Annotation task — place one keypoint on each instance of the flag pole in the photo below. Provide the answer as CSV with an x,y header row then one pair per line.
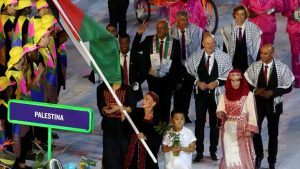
x,y
87,53
75,42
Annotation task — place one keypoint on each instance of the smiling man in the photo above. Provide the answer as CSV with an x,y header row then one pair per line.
x,y
242,39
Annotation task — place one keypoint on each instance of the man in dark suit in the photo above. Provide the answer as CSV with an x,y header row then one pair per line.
x,y
209,68
270,79
162,56
133,65
190,37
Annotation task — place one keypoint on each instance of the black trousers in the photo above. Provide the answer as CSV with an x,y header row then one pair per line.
x,y
273,120
206,103
182,97
26,145
161,86
115,144
117,14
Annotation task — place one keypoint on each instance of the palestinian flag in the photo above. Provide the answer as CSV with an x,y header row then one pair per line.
x,y
103,46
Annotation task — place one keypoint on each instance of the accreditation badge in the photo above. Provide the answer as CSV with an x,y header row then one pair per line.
x,y
155,61
166,65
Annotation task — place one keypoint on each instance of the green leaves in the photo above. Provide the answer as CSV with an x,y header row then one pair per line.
x,y
174,137
89,162
162,128
39,160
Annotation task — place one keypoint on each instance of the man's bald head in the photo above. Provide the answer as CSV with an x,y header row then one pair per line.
x,y
209,43
266,53
268,47
207,35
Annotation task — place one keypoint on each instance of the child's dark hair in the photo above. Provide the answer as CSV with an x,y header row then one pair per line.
x,y
177,111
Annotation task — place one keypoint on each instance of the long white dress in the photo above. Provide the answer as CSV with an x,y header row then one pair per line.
x,y
238,151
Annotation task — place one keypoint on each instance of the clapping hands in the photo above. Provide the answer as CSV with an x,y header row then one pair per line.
x,y
111,109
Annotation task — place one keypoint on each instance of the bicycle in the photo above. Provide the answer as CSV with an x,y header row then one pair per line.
x,y
144,8
211,11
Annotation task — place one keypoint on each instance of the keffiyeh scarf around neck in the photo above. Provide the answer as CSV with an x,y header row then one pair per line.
x,y
253,39
222,59
285,76
223,62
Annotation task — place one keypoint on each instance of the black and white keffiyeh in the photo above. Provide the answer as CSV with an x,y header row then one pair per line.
x,y
285,76
222,59
253,39
193,37
223,62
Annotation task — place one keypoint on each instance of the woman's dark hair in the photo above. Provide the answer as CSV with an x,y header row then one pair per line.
x,y
31,66
19,13
30,63
2,8
240,8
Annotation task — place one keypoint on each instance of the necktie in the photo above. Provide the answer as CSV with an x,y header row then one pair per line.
x,y
161,47
207,63
266,74
240,34
125,73
183,55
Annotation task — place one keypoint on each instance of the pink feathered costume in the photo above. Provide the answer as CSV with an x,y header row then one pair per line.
x,y
196,12
293,29
266,22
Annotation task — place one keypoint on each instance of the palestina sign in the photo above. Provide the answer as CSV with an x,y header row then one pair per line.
x,y
51,116
55,116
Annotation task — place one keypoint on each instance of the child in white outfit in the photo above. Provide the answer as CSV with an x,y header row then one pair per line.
x,y
186,147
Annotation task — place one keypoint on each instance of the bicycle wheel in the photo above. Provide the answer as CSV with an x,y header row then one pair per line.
x,y
142,10
212,16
